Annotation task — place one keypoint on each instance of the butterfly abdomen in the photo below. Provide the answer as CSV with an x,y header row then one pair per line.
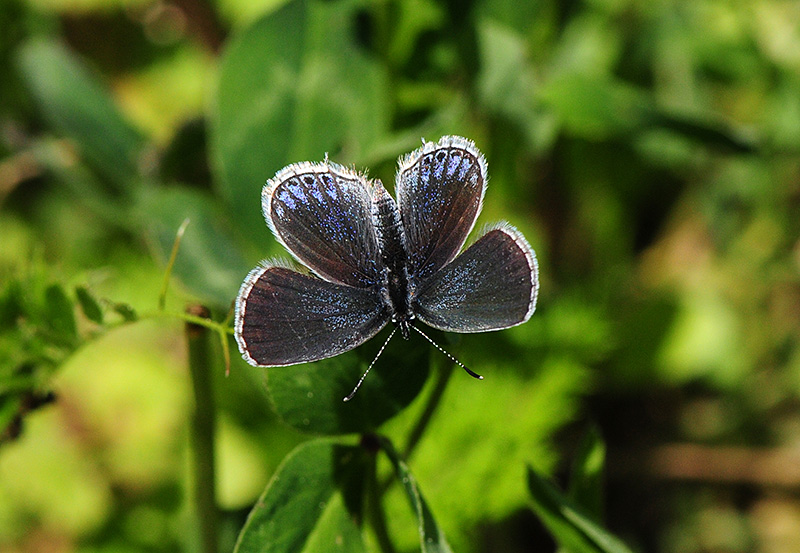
x,y
389,229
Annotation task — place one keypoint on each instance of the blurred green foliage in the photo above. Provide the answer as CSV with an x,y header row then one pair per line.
x,y
649,151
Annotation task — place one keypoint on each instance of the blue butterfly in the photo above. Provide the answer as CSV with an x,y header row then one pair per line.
x,y
376,260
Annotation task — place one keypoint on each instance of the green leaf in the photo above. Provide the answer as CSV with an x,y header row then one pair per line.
x,y
507,82
571,528
10,407
91,308
85,186
37,328
59,311
309,396
303,508
79,106
586,482
11,302
208,261
710,133
597,107
431,536
125,311
525,398
293,87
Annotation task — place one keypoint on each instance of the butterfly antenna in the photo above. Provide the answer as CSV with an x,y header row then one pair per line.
x,y
363,376
453,359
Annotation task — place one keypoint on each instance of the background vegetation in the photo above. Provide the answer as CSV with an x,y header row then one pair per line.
x,y
648,150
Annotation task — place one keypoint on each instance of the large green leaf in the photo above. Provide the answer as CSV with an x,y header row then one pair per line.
x,y
309,396
312,503
292,87
571,528
76,104
431,536
208,261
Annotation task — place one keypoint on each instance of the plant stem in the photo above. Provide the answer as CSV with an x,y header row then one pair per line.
x,y
202,428
188,317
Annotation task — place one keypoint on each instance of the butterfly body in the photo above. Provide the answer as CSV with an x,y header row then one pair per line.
x,y
390,233
377,260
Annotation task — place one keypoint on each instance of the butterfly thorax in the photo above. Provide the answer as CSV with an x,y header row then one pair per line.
x,y
389,228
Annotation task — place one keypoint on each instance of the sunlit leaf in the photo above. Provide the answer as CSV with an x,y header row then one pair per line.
x,y
292,87
458,457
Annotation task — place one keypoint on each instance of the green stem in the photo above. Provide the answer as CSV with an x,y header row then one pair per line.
x,y
188,318
221,328
202,428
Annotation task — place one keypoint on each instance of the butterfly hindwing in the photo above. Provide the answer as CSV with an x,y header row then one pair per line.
x,y
284,317
492,285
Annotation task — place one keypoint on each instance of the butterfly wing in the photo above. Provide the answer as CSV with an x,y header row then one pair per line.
x,y
284,317
440,190
492,285
321,213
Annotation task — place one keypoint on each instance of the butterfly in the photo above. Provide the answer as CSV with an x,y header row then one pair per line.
x,y
375,260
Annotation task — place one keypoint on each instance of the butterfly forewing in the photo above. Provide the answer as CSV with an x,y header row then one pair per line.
x,y
440,189
284,317
492,285
322,214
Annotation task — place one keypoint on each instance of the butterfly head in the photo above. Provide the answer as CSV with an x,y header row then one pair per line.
x,y
403,321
